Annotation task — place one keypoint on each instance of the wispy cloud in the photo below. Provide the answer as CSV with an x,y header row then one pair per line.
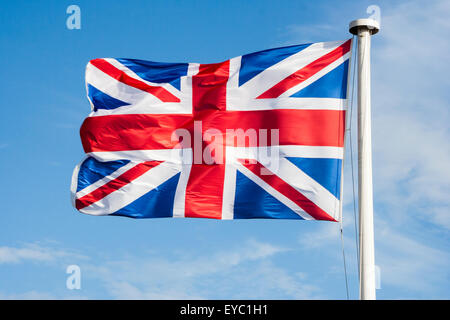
x,y
411,112
246,271
33,252
412,265
209,276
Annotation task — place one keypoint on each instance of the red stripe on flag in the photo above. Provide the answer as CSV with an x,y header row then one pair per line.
x,y
159,92
115,184
154,131
131,132
209,87
306,72
296,127
288,191
204,190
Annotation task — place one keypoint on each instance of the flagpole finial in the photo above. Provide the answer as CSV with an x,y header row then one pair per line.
x,y
372,25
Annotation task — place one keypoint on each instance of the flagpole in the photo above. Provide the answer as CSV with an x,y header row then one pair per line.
x,y
364,29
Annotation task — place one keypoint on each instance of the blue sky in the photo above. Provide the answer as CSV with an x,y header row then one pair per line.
x,y
43,98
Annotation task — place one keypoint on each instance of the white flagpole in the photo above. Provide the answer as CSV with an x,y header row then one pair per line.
x,y
364,29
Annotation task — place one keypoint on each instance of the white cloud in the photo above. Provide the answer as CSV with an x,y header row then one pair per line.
x,y
411,111
15,255
268,281
184,276
245,272
408,263
128,291
34,252
326,233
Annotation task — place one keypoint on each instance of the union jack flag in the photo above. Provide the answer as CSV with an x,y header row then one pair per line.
x,y
152,123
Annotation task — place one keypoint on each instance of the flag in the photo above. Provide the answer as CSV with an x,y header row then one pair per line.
x,y
257,136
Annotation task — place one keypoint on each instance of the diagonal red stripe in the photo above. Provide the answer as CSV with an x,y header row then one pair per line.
x,y
115,184
306,72
288,191
159,92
